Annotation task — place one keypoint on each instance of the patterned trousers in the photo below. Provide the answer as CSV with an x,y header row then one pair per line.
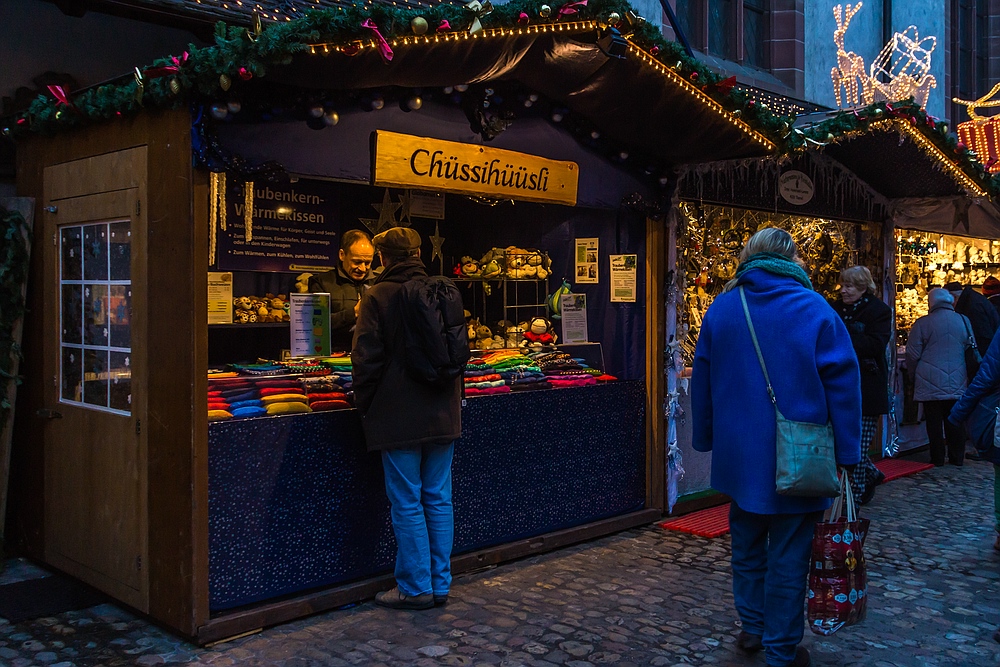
x,y
865,472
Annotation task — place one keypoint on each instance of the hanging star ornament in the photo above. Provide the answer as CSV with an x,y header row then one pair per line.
x,y
404,203
386,215
436,242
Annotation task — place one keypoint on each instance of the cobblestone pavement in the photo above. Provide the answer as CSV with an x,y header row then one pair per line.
x,y
642,597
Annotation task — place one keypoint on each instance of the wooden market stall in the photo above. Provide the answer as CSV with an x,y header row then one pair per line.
x,y
215,529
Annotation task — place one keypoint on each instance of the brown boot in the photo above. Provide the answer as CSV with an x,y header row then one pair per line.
x,y
396,599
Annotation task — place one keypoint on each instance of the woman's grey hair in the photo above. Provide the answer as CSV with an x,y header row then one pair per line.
x,y
773,240
860,277
770,239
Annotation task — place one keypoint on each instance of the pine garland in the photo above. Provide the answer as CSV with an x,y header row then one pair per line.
x,y
14,233
239,55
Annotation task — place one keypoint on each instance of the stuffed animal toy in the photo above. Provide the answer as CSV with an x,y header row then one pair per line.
x,y
278,309
491,266
515,334
243,307
473,324
470,267
539,333
302,282
484,338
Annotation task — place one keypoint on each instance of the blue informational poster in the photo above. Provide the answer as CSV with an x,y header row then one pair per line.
x,y
295,227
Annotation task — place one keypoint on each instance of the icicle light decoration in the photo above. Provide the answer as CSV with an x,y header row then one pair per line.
x,y
216,211
248,210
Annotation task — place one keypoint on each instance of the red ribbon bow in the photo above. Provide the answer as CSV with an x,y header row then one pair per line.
x,y
383,46
166,70
572,7
444,26
726,85
60,95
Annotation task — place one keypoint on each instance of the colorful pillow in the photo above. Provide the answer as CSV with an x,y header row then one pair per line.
x,y
218,415
283,398
249,411
287,408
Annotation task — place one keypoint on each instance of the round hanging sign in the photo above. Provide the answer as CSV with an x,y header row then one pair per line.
x,y
796,187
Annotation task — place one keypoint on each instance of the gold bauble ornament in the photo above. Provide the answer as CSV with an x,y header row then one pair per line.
x,y
175,86
878,113
737,113
545,11
418,25
225,82
830,138
614,18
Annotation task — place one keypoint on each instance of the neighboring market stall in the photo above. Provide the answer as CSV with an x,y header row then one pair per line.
x,y
872,186
219,527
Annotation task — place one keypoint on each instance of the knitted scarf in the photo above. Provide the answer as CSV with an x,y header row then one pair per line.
x,y
779,265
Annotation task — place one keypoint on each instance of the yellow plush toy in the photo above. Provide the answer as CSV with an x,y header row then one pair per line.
x,y
302,282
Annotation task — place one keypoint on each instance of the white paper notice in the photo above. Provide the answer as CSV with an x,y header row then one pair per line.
x,y
586,260
310,315
220,298
574,318
623,278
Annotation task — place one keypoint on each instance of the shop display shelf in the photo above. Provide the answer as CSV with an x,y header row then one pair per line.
x,y
250,325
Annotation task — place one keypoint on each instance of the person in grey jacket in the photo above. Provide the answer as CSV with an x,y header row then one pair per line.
x,y
935,357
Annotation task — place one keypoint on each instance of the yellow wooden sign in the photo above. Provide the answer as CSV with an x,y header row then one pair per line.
x,y
403,160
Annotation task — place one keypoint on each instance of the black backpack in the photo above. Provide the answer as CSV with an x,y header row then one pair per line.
x,y
434,330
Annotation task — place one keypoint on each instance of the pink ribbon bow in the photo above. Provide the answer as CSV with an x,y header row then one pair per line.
x,y
60,95
572,7
383,46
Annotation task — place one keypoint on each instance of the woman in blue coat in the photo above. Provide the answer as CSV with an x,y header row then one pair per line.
x,y
815,376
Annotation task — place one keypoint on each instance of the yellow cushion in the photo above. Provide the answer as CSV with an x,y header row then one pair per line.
x,y
287,408
284,398
218,415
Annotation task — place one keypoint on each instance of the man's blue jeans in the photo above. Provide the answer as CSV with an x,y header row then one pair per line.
x,y
418,483
770,576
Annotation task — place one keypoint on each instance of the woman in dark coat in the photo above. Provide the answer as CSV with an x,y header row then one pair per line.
x,y
869,321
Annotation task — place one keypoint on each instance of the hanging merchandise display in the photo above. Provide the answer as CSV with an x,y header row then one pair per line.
x,y
715,235
925,260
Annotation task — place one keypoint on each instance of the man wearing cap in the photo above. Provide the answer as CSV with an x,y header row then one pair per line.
x,y
345,285
413,424
982,315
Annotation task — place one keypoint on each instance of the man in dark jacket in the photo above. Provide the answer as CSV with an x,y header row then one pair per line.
x,y
981,313
413,424
991,290
345,285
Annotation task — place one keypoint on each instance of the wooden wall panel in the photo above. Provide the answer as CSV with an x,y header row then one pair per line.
x,y
177,430
656,278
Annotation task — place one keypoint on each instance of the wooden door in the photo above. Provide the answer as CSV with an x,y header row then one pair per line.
x,y
94,323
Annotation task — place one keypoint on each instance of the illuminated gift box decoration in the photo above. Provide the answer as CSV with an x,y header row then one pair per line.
x,y
982,133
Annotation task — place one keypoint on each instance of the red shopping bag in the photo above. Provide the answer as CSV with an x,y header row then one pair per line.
x,y
838,583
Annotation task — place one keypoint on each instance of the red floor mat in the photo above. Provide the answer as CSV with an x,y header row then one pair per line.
x,y
711,522
896,468
714,521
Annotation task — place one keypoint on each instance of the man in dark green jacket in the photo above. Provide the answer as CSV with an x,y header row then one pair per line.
x,y
345,285
414,426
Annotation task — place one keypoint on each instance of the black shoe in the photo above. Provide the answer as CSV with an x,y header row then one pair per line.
x,y
396,599
802,658
749,643
879,478
973,457
867,496
440,600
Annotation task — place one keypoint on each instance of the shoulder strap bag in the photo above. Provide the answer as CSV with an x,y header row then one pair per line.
x,y
973,358
806,463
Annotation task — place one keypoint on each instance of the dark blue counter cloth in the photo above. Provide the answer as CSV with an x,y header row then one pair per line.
x,y
295,502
